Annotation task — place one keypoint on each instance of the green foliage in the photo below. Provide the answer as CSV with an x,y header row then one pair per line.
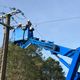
x,y
52,70
26,64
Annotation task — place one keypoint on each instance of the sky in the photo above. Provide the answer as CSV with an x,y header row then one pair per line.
x,y
43,13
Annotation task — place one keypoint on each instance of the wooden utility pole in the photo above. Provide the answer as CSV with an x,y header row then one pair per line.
x,y
5,47
7,28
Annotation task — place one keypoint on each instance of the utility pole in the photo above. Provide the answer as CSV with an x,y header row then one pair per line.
x,y
7,28
5,47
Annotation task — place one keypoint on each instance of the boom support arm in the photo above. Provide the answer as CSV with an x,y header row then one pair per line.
x,y
55,50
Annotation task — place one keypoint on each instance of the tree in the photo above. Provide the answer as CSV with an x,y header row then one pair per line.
x,y
27,64
52,70
21,63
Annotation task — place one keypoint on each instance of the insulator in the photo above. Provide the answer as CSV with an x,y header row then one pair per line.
x,y
13,8
22,13
19,10
2,13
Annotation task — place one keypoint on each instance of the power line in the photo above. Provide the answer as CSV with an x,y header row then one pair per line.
x,y
38,31
12,36
20,17
14,20
58,20
13,8
3,6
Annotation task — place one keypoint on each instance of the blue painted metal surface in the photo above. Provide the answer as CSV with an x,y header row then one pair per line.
x,y
74,66
55,50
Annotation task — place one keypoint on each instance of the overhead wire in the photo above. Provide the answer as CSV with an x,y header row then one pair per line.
x,y
51,21
13,36
57,20
38,31
3,6
42,22
13,8
13,32
20,17
14,20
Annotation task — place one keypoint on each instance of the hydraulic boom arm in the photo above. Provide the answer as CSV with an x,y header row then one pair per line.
x,y
73,73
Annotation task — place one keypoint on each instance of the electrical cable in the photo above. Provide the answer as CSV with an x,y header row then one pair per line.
x,y
14,20
22,15
38,31
13,8
20,12
2,13
13,36
43,22
3,6
19,17
57,20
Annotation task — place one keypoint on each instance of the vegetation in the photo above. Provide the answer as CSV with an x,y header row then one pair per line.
x,y
27,64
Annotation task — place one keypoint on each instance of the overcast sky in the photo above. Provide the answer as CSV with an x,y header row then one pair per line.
x,y
64,33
